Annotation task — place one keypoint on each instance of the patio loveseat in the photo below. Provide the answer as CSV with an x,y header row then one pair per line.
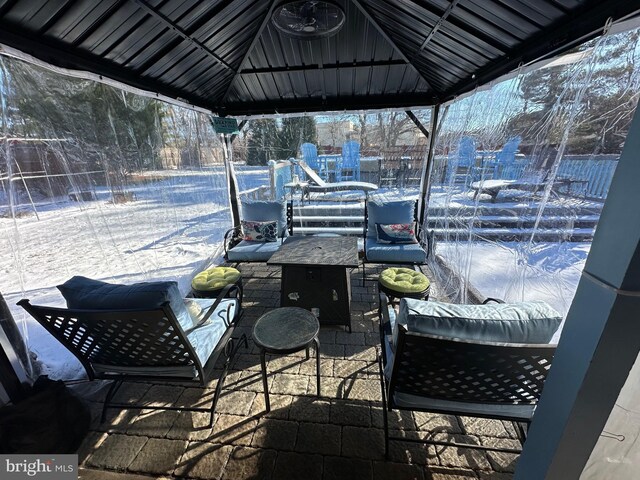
x,y
487,361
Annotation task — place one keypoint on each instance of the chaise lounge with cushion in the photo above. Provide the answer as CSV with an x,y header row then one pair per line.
x,y
319,185
144,332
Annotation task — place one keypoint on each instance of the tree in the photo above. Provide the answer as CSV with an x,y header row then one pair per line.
x,y
604,111
99,127
391,126
262,141
293,132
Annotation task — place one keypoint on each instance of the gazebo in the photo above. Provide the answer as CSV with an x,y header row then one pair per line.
x,y
252,59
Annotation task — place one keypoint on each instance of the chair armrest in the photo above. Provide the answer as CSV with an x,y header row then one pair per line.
x,y
227,292
491,299
229,238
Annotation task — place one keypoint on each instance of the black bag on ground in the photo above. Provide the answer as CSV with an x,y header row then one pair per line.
x,y
49,420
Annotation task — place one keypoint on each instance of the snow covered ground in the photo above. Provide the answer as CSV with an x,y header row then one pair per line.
x,y
175,227
171,230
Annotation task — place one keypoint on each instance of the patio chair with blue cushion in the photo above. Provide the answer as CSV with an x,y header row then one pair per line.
x,y
348,166
487,361
145,332
392,235
260,233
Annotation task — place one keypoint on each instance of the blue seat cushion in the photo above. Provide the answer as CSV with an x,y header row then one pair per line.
x,y
401,211
82,293
522,322
266,212
247,251
205,337
394,252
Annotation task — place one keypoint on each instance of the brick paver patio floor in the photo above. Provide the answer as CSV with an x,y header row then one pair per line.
x,y
338,435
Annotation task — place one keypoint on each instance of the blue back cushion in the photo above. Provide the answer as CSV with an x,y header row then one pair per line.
x,y
466,152
401,211
87,294
266,211
522,322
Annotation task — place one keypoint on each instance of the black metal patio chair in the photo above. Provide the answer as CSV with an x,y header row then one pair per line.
x,y
148,344
238,249
445,375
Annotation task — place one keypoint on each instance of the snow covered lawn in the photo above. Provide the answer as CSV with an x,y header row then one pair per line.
x,y
516,271
169,232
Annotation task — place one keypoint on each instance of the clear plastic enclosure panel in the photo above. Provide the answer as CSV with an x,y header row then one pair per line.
x,y
327,165
103,183
521,172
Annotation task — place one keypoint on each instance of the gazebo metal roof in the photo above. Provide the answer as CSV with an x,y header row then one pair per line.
x,y
226,56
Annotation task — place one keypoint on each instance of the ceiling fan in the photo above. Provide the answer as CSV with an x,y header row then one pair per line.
x,y
308,20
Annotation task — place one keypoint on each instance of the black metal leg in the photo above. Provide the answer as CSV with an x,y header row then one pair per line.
x,y
307,349
521,432
231,348
317,342
110,394
384,408
263,362
363,274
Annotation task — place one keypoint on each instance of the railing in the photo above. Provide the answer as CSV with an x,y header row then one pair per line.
x,y
280,172
586,176
595,174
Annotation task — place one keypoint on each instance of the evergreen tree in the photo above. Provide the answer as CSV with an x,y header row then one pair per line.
x,y
101,127
605,110
262,141
293,132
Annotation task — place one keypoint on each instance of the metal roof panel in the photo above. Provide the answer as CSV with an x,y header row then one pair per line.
x,y
404,52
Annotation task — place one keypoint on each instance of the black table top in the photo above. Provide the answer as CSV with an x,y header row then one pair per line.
x,y
285,329
317,251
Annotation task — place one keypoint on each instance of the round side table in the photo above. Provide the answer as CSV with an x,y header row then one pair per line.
x,y
286,330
